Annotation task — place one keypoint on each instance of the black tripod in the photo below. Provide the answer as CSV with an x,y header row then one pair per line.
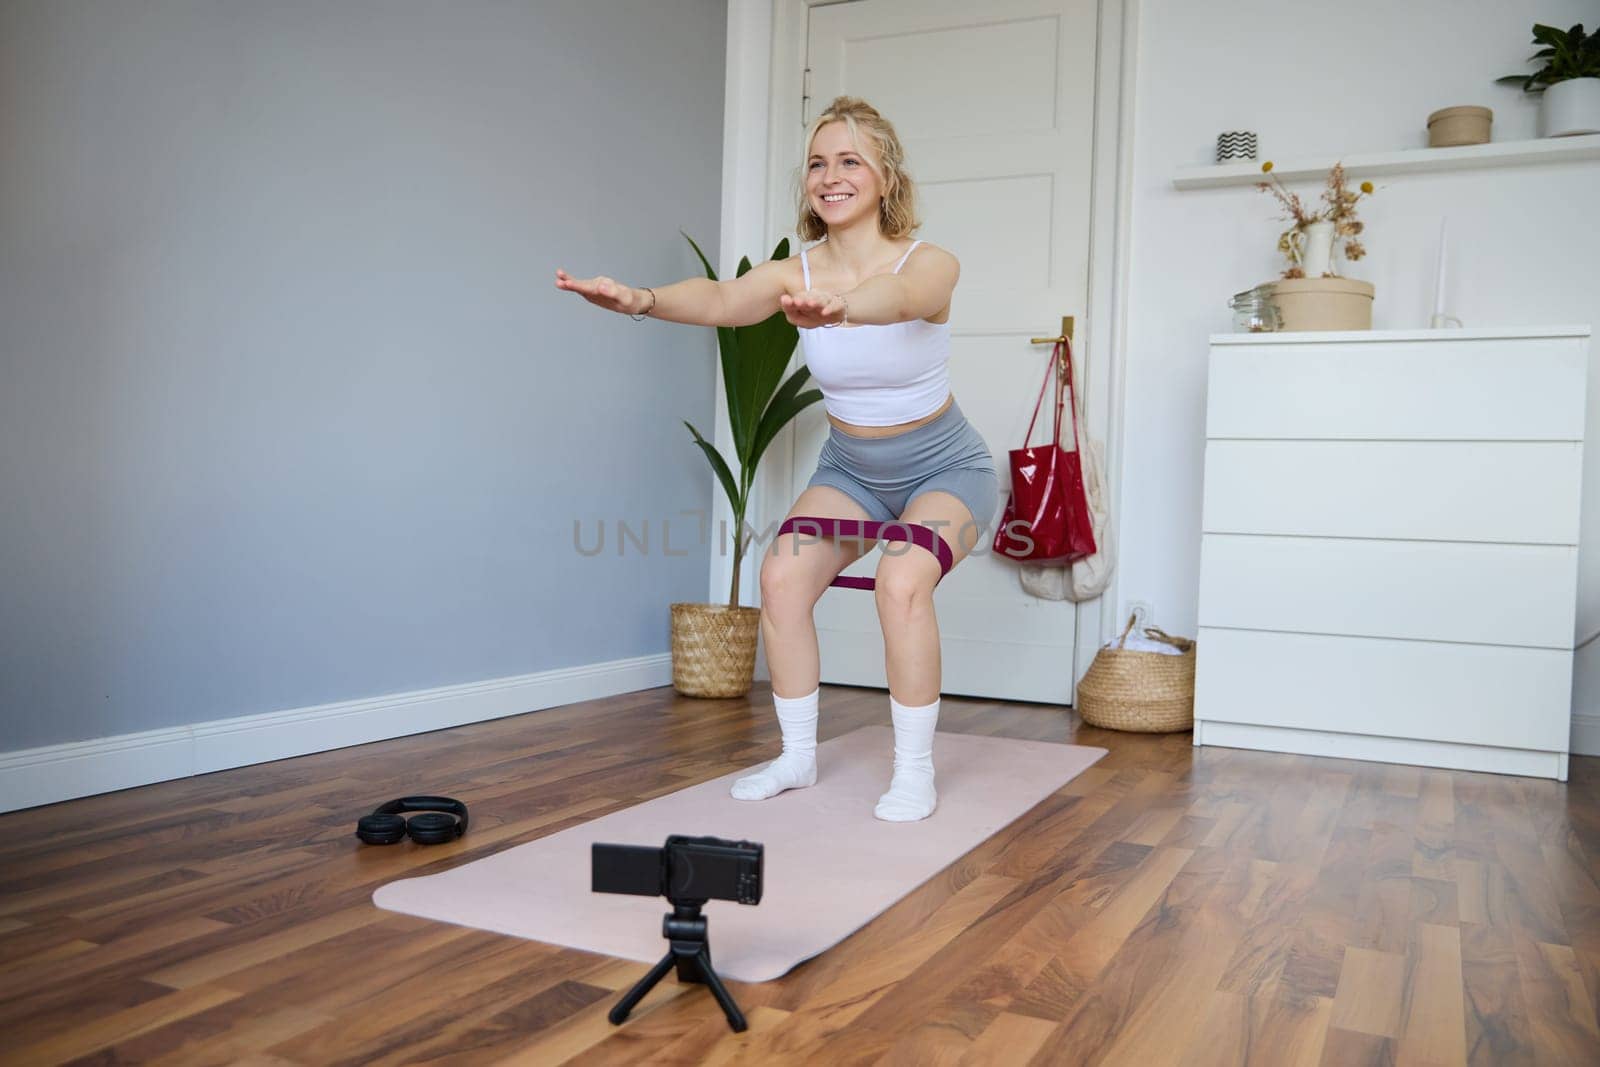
x,y
686,929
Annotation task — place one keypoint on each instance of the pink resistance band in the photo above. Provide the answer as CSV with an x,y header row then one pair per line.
x,y
916,533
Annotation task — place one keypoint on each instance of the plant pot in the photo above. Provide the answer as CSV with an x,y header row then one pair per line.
x,y
1323,303
1570,108
1459,125
714,649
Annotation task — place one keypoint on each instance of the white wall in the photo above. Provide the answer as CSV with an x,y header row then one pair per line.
x,y
1314,79
295,432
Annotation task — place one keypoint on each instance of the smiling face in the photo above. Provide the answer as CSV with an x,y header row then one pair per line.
x,y
842,181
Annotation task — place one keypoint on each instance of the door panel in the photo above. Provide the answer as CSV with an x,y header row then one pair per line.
x,y
995,105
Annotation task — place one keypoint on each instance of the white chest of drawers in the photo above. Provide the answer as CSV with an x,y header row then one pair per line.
x,y
1389,552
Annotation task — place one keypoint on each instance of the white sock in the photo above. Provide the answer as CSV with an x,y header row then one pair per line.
x,y
911,796
796,768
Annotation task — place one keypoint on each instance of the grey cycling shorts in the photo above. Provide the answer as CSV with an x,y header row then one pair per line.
x,y
884,474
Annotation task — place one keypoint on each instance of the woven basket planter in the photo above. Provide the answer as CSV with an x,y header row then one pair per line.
x,y
1141,692
714,649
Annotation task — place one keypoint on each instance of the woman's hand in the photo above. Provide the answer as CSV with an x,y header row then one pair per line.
x,y
604,292
814,308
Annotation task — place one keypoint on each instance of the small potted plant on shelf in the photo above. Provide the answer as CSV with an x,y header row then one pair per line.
x,y
714,645
1569,80
1311,295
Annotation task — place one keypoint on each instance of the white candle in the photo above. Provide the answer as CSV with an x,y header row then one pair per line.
x,y
1438,280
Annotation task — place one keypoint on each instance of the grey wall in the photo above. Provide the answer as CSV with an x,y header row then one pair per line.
x,y
290,411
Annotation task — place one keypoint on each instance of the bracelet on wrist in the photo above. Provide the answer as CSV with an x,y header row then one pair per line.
x,y
641,316
845,318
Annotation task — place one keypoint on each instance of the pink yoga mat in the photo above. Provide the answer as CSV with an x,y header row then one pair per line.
x,y
830,866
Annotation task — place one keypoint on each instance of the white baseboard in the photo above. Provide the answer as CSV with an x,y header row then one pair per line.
x,y
1586,734
1419,753
35,776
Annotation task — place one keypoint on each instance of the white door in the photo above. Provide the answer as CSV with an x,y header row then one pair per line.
x,y
995,104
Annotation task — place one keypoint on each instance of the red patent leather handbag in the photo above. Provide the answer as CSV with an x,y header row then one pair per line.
x,y
1047,517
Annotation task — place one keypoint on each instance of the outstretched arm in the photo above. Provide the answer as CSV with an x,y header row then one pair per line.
x,y
696,301
922,289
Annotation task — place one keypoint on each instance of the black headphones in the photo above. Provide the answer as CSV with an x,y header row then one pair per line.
x,y
386,825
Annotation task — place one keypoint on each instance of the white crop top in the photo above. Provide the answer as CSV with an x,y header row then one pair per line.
x,y
879,375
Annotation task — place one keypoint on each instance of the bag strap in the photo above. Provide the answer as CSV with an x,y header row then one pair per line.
x,y
1072,386
1061,366
1055,354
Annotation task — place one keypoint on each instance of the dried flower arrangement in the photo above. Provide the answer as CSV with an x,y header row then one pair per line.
x,y
1338,207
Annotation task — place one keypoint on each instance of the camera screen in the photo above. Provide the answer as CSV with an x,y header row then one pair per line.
x,y
632,869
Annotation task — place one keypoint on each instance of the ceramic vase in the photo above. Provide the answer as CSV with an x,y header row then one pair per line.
x,y
1316,256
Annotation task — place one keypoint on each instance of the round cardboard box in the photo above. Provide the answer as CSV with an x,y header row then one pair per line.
x,y
1323,303
1459,125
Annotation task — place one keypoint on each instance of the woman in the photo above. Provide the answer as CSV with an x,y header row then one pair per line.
x,y
873,308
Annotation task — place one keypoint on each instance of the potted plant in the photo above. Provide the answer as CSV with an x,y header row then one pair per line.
x,y
714,645
1311,295
1569,81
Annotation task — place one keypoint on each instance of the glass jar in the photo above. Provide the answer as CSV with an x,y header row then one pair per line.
x,y
1254,311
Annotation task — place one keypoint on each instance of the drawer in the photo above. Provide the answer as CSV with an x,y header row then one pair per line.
x,y
1529,389
1468,694
1423,590
1517,491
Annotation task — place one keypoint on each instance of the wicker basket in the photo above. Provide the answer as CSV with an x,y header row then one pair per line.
x,y
1144,692
714,649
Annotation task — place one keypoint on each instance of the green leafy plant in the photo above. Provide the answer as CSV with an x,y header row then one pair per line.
x,y
760,400
1566,54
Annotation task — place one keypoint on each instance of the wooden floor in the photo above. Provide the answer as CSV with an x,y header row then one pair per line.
x,y
1169,906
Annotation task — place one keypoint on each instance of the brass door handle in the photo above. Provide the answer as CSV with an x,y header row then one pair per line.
x,y
1066,334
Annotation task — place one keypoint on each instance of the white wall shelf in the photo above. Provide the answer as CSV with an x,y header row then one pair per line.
x,y
1410,161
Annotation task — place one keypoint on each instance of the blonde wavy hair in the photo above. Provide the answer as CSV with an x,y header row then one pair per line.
x,y
897,213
